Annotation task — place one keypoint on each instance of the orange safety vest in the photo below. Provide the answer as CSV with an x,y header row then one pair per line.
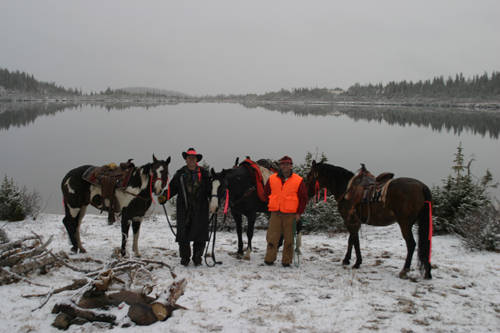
x,y
284,197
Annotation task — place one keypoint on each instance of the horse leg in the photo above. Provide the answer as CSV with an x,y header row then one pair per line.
x,y
410,246
72,220
83,210
136,226
353,226
250,228
347,258
238,219
125,226
359,260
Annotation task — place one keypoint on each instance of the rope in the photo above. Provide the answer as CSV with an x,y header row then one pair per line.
x,y
168,220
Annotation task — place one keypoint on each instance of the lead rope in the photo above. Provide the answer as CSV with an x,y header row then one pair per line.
x,y
168,220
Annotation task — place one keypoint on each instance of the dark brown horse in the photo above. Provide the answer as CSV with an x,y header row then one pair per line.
x,y
404,200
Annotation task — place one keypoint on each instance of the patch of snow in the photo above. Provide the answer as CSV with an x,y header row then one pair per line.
x,y
319,296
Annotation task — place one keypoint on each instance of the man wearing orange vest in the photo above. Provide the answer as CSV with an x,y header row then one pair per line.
x,y
287,195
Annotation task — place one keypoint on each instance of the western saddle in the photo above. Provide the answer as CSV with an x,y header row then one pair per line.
x,y
366,188
110,177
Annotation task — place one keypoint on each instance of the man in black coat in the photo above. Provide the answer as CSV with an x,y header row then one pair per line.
x,y
193,188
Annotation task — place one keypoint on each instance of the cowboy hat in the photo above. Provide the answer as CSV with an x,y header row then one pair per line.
x,y
192,152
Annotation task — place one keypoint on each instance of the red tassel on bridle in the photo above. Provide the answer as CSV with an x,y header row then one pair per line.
x,y
316,191
151,188
324,200
226,204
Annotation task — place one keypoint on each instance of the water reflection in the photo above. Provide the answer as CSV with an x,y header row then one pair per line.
x,y
438,119
24,114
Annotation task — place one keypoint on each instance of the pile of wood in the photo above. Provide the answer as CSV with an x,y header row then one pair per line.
x,y
18,259
120,282
97,290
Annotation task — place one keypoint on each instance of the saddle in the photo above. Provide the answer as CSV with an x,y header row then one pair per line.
x,y
110,177
366,188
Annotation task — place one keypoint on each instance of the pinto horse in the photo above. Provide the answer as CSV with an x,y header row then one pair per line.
x,y
133,201
405,201
239,184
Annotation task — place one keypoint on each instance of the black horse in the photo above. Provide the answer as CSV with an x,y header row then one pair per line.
x,y
243,200
405,200
132,201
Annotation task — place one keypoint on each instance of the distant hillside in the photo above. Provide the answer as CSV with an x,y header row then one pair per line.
x,y
21,82
152,92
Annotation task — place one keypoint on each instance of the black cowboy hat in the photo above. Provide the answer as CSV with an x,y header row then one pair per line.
x,y
192,152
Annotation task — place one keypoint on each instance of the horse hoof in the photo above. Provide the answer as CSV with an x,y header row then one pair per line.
x,y
247,255
356,266
74,249
82,250
345,262
403,274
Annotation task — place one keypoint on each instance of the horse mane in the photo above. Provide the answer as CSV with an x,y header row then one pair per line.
x,y
337,177
336,170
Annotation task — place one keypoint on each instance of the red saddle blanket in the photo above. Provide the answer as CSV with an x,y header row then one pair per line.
x,y
259,179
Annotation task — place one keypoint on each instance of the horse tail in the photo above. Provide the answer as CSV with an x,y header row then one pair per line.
x,y
425,233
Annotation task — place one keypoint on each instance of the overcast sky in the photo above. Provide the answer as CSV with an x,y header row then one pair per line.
x,y
208,47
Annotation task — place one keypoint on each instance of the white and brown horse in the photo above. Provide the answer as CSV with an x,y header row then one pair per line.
x,y
132,201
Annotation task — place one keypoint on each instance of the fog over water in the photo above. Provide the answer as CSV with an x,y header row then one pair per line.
x,y
39,152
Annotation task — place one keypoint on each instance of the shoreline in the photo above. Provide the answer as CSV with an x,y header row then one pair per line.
x,y
467,104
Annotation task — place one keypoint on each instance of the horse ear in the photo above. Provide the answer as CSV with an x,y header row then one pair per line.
x,y
154,158
313,163
168,160
212,172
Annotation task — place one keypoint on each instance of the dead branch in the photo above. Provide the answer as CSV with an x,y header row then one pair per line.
x,y
77,284
15,244
76,269
10,277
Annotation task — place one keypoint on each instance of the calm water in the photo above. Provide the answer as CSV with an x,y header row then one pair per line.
x,y
39,144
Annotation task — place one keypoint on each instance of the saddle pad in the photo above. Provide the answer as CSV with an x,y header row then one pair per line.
x,y
89,175
259,180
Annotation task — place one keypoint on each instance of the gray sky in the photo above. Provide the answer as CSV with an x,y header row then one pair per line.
x,y
208,47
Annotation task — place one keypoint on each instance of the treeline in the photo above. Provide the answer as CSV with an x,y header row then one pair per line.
x,y
457,87
478,86
26,83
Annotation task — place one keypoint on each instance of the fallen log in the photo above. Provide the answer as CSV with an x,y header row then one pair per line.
x,y
75,311
160,309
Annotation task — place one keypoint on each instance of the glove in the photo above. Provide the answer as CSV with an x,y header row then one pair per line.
x,y
162,199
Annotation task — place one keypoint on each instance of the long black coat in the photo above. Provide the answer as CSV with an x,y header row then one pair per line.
x,y
192,218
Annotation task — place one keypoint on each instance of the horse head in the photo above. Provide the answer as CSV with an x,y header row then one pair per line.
x,y
158,173
315,179
219,183
323,175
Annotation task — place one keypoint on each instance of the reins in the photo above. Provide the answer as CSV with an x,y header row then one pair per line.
x,y
168,220
213,232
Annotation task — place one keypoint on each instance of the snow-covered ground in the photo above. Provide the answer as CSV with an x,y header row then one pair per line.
x,y
247,296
